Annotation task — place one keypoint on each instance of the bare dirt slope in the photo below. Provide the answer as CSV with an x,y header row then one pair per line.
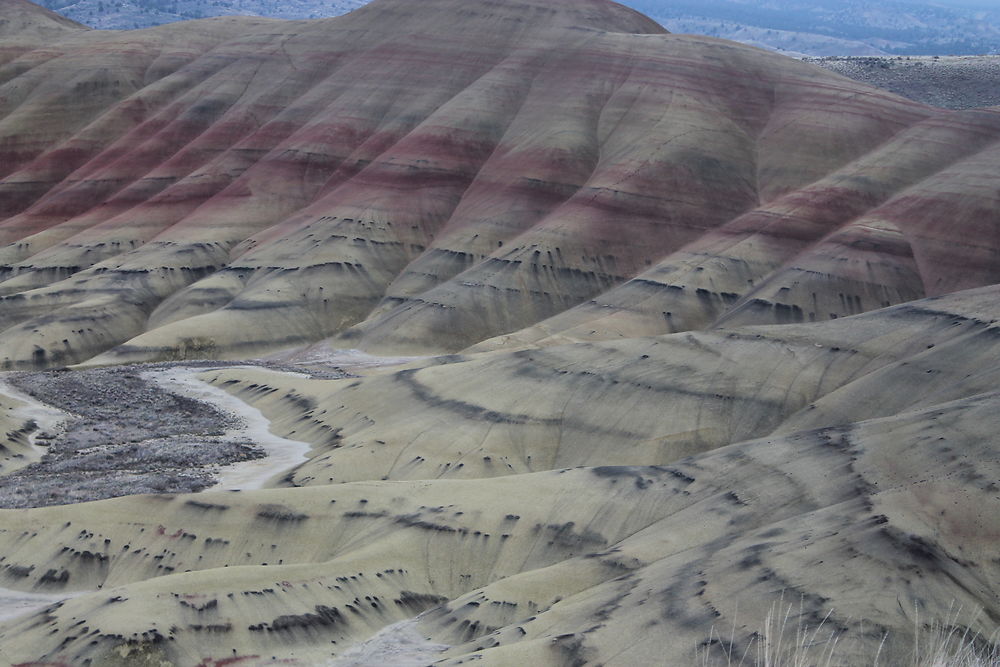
x,y
539,507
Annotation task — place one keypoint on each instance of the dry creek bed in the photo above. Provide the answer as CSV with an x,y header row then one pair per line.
x,y
123,435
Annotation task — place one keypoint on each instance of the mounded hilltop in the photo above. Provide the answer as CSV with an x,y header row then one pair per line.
x,y
26,20
426,180
716,336
24,26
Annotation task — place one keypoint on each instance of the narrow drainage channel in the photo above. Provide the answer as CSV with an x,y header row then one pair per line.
x,y
281,454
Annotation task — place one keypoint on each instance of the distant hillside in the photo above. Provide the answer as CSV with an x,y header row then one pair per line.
x,y
128,14
796,27
788,42
23,21
838,27
950,82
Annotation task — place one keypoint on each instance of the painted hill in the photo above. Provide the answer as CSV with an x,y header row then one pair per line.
x,y
238,186
705,332
25,25
27,20
235,186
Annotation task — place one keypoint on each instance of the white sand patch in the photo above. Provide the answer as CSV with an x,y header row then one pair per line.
x,y
282,453
322,354
14,604
399,645
358,359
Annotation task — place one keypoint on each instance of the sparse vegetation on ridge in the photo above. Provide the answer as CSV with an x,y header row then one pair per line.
x,y
949,82
784,642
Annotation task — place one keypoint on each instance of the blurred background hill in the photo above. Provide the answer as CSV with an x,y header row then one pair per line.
x,y
798,27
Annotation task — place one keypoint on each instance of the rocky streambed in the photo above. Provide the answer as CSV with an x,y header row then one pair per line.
x,y
138,429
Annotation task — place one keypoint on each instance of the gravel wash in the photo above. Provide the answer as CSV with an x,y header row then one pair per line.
x,y
123,434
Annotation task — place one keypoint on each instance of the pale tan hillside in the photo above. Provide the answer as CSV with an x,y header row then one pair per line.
x,y
877,519
16,426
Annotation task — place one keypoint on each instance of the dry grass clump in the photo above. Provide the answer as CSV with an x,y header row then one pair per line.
x,y
939,644
950,645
